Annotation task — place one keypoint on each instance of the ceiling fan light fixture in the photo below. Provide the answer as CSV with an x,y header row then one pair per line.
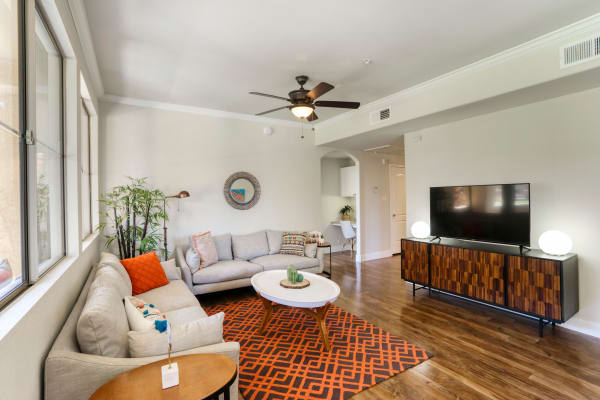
x,y
303,110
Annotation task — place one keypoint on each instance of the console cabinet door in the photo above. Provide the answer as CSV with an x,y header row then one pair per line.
x,y
445,268
472,273
534,286
415,261
482,276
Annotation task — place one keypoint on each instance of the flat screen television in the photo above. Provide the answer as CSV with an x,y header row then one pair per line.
x,y
487,213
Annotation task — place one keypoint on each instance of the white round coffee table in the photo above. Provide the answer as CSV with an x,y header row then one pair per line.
x,y
313,300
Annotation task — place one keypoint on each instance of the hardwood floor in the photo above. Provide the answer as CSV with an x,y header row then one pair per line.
x,y
478,352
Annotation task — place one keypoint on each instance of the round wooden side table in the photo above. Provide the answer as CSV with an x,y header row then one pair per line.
x,y
201,376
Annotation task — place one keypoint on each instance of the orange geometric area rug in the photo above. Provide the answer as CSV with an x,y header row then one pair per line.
x,y
289,362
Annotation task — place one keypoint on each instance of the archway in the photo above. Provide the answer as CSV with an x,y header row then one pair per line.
x,y
340,186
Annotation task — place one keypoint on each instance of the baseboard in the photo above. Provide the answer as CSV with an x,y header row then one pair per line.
x,y
583,326
374,255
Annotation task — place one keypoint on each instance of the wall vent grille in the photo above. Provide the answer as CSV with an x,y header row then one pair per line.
x,y
380,115
577,53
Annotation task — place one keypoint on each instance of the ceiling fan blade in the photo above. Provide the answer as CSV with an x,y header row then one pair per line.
x,y
312,117
270,111
338,104
270,95
319,90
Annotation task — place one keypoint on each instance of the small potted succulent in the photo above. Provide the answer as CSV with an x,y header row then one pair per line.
x,y
345,212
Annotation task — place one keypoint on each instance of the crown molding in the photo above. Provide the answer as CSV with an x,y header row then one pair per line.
x,y
87,45
197,110
496,59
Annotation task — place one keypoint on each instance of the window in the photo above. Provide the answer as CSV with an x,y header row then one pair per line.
x,y
50,148
12,147
86,181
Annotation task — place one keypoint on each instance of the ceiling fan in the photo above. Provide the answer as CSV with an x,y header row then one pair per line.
x,y
303,101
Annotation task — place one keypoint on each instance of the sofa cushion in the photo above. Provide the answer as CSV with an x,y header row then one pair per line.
x,y
186,336
108,277
281,261
246,247
102,327
310,250
108,259
226,271
171,271
172,296
274,239
186,314
223,243
145,272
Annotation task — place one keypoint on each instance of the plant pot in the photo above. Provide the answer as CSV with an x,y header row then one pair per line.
x,y
345,217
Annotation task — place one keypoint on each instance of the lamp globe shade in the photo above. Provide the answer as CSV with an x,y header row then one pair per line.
x,y
420,229
555,243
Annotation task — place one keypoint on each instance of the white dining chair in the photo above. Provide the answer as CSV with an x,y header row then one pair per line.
x,y
349,234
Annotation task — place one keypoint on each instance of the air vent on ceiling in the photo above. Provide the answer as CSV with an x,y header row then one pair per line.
x,y
577,53
379,115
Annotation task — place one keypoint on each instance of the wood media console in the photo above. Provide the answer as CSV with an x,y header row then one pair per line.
x,y
530,282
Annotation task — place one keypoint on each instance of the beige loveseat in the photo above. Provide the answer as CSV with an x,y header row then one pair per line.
x,y
71,374
240,257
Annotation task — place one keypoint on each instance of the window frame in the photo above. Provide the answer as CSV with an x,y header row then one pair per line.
x,y
85,108
43,18
23,166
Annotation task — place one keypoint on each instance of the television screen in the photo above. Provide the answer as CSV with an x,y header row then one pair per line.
x,y
487,213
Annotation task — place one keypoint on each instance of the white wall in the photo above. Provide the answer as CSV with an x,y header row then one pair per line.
x,y
185,151
48,303
554,145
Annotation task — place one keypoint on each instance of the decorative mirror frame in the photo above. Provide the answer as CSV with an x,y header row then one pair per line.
x,y
227,190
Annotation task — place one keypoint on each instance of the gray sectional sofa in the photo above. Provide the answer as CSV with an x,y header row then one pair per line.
x,y
240,257
74,375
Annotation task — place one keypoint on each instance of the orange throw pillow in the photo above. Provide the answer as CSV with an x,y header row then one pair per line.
x,y
145,272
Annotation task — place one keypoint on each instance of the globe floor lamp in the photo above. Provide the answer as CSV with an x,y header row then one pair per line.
x,y
181,195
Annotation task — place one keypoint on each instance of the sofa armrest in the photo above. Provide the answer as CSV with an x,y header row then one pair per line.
x,y
74,376
321,256
181,263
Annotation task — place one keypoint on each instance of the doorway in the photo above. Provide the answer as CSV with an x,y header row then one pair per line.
x,y
397,206
340,187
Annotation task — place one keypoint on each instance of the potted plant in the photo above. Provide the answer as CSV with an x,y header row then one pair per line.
x,y
132,218
345,212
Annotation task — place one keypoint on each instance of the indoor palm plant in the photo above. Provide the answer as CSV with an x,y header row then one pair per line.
x,y
132,216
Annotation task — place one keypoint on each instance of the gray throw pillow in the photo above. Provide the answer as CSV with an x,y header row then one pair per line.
x,y
223,243
274,238
247,247
192,259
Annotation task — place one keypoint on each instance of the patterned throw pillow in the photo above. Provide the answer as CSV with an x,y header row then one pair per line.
x,y
204,246
145,272
293,243
142,316
313,237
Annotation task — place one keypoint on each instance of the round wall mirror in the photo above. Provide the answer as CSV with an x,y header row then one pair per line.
x,y
241,190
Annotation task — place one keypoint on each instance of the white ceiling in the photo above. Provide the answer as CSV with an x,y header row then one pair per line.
x,y
212,53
